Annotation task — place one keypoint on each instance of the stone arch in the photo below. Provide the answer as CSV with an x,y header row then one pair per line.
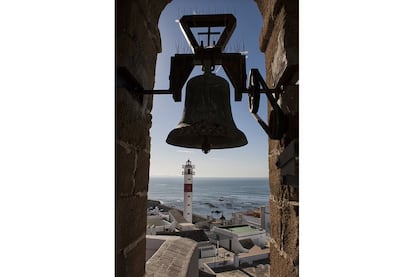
x,y
137,44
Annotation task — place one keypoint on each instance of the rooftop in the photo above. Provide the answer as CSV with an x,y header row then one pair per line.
x,y
196,235
157,221
173,258
242,230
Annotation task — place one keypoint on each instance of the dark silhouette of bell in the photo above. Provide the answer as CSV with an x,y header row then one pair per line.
x,y
207,122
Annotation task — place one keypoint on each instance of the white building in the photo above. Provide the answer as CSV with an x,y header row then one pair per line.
x,y
259,218
239,238
156,223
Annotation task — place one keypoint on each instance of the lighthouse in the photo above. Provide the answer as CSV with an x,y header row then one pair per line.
x,y
188,173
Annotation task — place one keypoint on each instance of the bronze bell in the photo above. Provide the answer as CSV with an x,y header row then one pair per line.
x,y
207,122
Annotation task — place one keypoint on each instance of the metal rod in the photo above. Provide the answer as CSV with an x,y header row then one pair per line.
x,y
166,91
156,91
249,90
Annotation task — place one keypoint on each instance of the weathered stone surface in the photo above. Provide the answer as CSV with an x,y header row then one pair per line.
x,y
137,44
137,37
276,60
291,39
131,264
290,100
279,41
285,226
131,219
270,11
279,38
132,166
280,266
174,258
131,177
133,119
275,225
125,162
290,238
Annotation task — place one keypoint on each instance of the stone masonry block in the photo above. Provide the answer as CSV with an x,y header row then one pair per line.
x,y
125,164
290,236
275,222
131,220
141,176
133,264
285,226
274,172
279,38
270,10
290,100
291,39
132,172
133,120
276,59
284,230
281,266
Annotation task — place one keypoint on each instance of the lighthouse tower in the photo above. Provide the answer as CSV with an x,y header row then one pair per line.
x,y
188,191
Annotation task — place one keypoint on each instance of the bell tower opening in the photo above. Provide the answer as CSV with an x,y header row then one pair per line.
x,y
242,156
143,121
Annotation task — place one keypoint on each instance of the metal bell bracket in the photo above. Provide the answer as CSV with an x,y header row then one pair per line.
x,y
234,64
277,120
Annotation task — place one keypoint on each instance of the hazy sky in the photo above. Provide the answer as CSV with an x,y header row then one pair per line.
x,y
247,161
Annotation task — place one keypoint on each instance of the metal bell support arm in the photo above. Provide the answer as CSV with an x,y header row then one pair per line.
x,y
277,125
124,79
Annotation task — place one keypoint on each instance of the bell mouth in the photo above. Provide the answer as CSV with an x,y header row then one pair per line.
x,y
202,136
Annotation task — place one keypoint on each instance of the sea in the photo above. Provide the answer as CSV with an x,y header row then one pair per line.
x,y
212,196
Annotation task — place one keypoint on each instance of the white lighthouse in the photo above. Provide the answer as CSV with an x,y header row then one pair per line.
x,y
188,191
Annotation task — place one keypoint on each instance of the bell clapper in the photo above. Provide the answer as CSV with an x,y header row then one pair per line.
x,y
206,146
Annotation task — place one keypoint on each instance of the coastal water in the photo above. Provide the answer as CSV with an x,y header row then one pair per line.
x,y
212,196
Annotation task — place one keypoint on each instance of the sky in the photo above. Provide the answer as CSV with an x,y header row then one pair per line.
x,y
247,161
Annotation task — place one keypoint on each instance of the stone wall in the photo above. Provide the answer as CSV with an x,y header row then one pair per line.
x,y
279,41
137,44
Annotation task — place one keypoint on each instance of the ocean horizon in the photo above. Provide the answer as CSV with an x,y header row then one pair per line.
x,y
212,195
